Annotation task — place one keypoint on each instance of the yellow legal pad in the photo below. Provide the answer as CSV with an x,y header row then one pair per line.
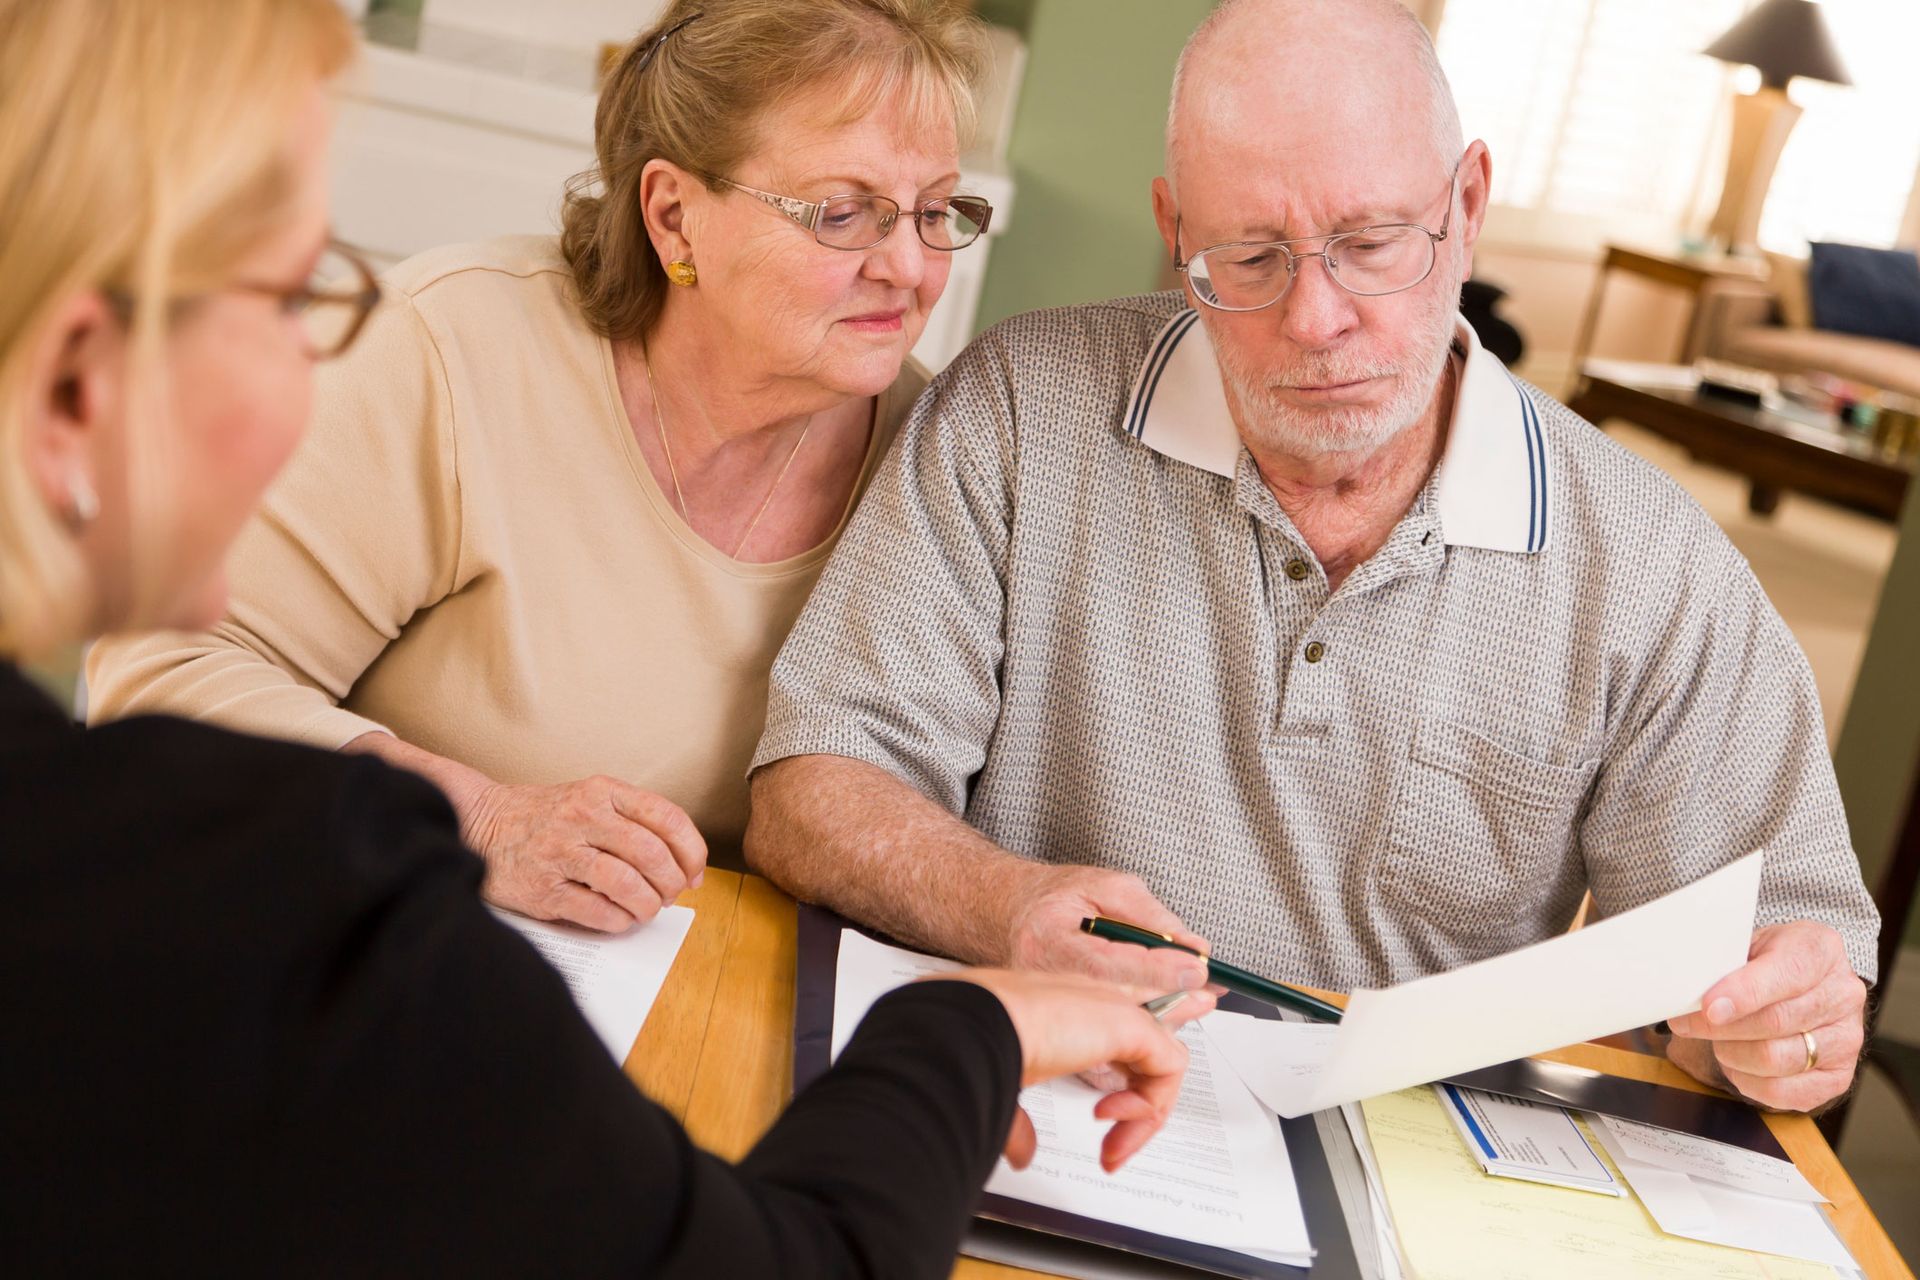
x,y
1457,1223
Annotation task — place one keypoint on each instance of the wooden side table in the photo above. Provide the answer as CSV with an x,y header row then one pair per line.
x,y
1691,272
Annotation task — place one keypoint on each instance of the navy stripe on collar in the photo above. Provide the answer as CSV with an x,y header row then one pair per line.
x,y
1536,467
1156,365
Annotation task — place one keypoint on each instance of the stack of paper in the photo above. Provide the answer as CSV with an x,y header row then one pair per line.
x,y
1392,1264
1451,1220
1218,1174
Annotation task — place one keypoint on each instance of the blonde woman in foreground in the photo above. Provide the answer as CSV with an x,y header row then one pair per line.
x,y
257,1018
565,498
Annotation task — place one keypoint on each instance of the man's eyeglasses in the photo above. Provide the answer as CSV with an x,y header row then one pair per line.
x,y
332,304
855,222
1370,262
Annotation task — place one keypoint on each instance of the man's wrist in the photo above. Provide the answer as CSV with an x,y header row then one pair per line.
x,y
1008,890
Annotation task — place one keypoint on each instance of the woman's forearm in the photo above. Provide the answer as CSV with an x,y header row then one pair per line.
x,y
462,784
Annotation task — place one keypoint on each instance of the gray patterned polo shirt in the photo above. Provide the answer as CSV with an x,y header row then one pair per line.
x,y
1074,614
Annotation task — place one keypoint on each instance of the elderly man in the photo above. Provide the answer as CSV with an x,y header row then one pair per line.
x,y
1292,622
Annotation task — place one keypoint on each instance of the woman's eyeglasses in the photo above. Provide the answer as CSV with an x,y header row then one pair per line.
x,y
332,303
855,222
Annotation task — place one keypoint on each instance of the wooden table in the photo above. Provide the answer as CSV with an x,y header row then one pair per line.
x,y
717,1051
1773,451
1691,272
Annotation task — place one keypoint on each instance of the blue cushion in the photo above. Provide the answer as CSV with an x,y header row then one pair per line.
x,y
1872,292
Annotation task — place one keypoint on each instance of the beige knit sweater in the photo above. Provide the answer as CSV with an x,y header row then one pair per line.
x,y
470,551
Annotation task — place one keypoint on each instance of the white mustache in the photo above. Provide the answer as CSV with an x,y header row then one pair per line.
x,y
1333,377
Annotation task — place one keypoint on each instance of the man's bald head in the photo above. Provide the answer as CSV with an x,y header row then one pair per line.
x,y
1294,64
1301,120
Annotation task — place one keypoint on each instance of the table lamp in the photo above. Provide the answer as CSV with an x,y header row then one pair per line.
x,y
1783,39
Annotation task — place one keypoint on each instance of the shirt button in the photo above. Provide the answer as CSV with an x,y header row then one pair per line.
x,y
1296,569
1315,651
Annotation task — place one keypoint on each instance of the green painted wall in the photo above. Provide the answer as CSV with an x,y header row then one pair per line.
x,y
1880,739
1017,14
1086,145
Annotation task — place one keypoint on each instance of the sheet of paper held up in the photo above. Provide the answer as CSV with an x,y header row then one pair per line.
x,y
1633,969
1217,1174
613,977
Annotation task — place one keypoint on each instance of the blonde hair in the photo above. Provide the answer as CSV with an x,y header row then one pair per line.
x,y
142,153
697,99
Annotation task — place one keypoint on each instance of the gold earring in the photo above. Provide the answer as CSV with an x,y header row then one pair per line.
x,y
682,273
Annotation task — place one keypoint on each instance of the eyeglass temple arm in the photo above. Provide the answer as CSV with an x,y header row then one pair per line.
x,y
1453,180
807,215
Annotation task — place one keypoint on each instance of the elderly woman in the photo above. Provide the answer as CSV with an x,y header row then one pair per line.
x,y
256,1017
565,498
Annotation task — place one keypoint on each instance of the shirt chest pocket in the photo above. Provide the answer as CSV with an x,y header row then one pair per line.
x,y
1479,838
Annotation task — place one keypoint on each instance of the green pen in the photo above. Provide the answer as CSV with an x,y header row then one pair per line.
x,y
1220,973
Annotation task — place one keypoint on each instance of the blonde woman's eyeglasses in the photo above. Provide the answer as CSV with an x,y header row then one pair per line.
x,y
332,303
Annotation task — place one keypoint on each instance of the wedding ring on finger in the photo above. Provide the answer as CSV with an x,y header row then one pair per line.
x,y
1813,1052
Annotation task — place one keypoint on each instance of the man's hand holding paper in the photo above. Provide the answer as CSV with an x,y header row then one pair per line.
x,y
1784,1030
1625,971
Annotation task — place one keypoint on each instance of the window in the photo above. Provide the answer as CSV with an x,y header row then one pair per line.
x,y
1606,122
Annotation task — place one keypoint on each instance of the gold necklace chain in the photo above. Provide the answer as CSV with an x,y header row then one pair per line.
x,y
660,424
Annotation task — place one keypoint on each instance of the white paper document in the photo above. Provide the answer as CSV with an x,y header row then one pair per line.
x,y
1532,1141
868,970
1633,969
1699,1209
613,977
1697,1157
1279,1060
1218,1174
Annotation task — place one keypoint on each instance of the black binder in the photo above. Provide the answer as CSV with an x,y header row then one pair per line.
x,y
819,954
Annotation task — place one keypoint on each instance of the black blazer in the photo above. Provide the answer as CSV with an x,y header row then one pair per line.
x,y
254,1020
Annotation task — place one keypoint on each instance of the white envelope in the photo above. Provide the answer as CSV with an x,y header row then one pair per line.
x,y
1697,1209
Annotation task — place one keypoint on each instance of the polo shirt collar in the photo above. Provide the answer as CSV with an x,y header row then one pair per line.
x,y
1493,486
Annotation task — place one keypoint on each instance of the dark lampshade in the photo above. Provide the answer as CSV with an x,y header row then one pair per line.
x,y
1784,39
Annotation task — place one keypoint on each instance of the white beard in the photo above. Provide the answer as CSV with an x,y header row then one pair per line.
x,y
1299,432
